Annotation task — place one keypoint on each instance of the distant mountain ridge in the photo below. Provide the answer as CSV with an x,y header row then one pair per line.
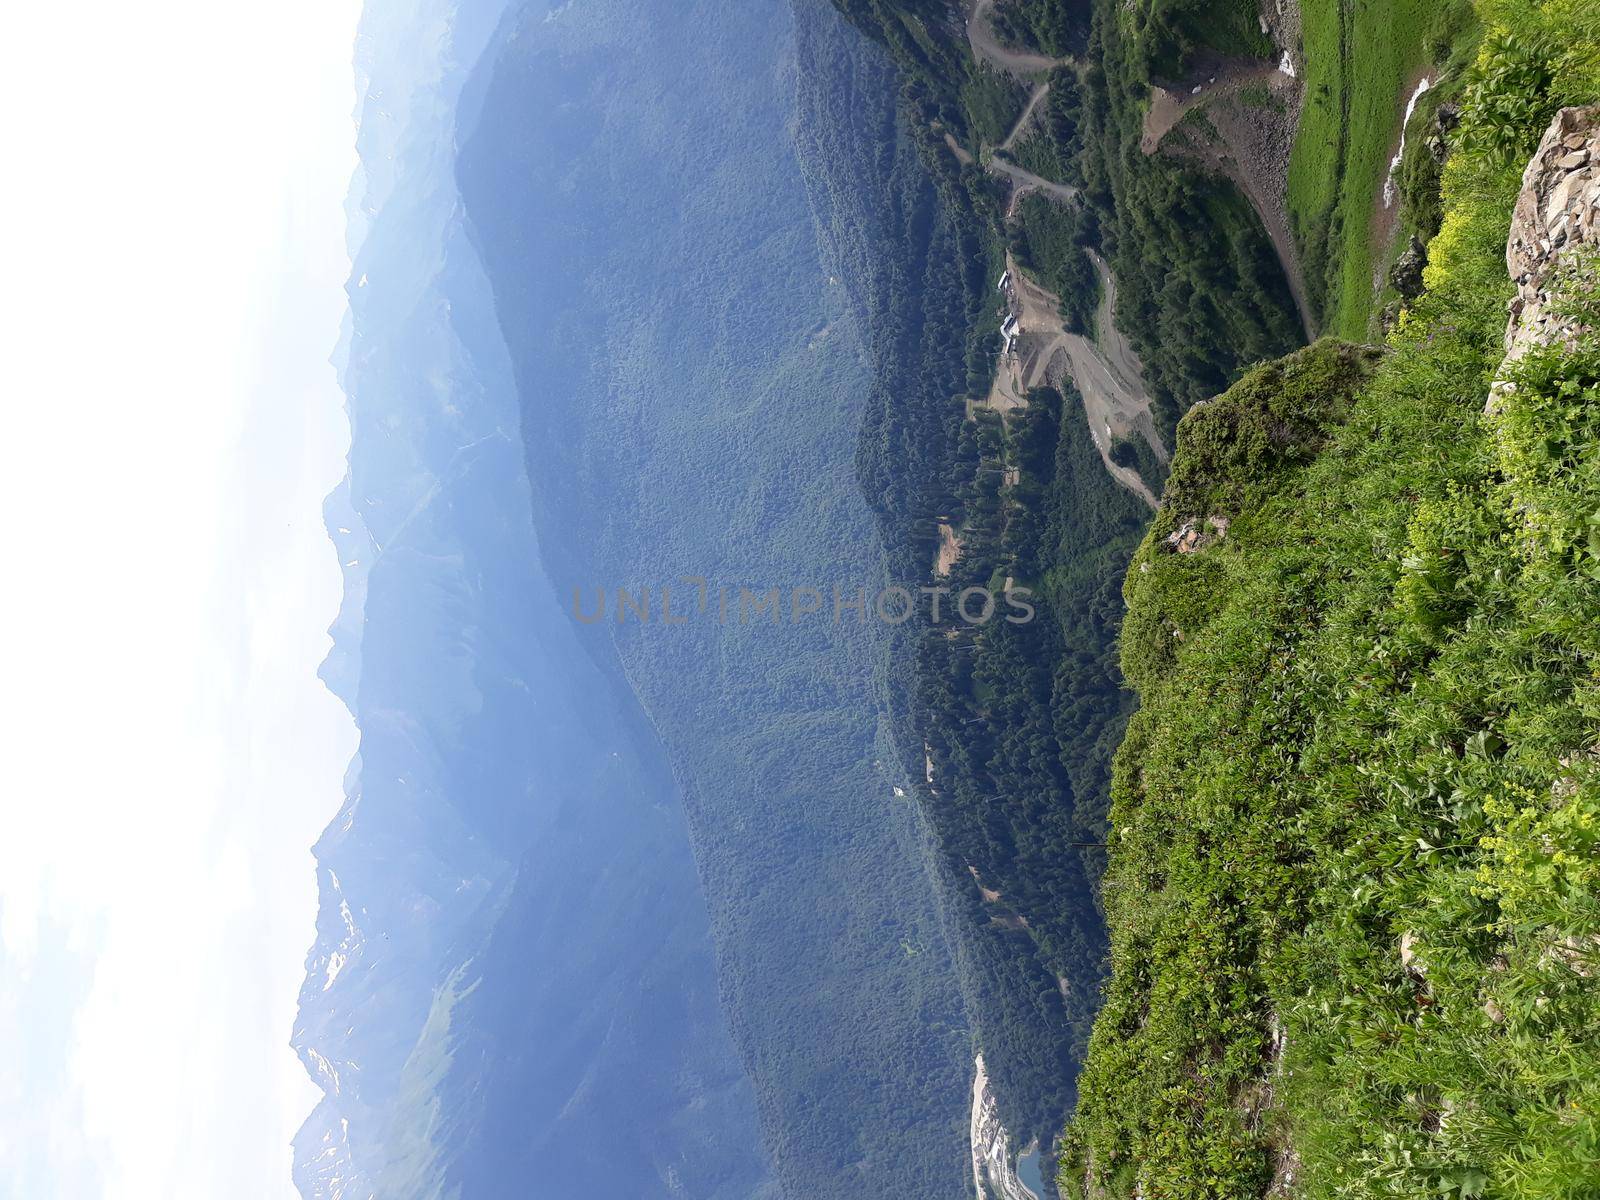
x,y
501,775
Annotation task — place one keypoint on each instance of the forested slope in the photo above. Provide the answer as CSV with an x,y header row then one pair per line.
x,y
690,396
918,251
1014,726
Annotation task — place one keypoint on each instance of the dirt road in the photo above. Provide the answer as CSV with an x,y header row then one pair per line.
x,y
1038,97
980,33
1107,374
1024,181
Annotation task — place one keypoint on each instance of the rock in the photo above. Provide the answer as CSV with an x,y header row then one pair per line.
x,y
1558,205
1445,120
1406,274
1557,213
1192,535
1408,956
1184,539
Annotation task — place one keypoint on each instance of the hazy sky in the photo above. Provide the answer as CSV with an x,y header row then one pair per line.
x,y
173,280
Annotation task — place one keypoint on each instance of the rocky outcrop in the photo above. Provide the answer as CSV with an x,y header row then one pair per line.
x,y
1406,274
1192,536
1553,254
1555,232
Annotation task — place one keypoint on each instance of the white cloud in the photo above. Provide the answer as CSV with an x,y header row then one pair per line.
x,y
174,272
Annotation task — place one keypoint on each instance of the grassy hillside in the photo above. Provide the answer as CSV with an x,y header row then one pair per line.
x,y
1291,803
1354,892
1362,63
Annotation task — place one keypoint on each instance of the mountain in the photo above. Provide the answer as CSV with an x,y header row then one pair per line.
x,y
1348,835
692,383
513,961
691,341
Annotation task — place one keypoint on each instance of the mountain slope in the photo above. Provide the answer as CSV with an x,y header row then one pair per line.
x,y
690,384
513,974
1353,877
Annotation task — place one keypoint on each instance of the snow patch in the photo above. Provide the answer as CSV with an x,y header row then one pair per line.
x,y
336,962
325,1069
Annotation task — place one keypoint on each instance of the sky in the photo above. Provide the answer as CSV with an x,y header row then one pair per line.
x,y
172,291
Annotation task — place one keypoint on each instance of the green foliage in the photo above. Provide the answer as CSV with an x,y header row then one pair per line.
x,y
1201,293
1508,100
1421,172
1135,452
1536,56
1167,34
1055,27
930,55
1354,895
1054,148
1274,419
993,100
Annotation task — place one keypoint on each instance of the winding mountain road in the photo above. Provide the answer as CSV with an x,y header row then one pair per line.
x,y
1024,181
980,33
1104,368
984,45
1038,97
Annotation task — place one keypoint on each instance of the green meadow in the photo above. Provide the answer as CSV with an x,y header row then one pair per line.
x,y
1360,69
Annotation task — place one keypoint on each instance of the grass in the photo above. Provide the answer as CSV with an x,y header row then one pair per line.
x,y
1354,891
1358,65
